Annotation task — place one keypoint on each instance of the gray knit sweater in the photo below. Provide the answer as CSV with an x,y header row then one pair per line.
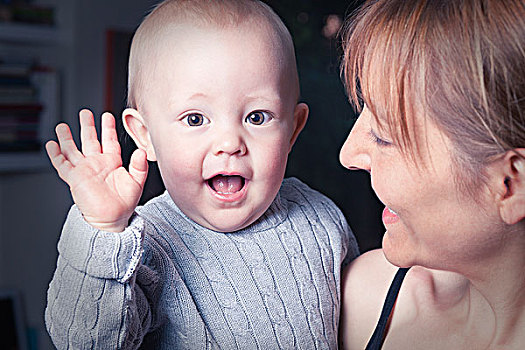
x,y
168,283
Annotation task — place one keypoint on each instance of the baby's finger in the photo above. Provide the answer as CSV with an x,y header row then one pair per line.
x,y
138,166
88,133
109,135
59,162
67,145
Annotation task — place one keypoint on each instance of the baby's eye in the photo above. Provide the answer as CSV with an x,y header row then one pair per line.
x,y
195,119
258,117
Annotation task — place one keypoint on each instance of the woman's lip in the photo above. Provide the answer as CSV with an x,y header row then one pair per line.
x,y
229,197
389,217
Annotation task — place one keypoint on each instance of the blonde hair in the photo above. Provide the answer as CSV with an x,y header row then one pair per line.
x,y
460,63
217,14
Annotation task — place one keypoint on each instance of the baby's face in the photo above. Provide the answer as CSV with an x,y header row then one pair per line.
x,y
220,114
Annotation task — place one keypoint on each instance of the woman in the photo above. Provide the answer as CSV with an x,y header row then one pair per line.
x,y
441,89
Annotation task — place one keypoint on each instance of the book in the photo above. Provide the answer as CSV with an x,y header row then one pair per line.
x,y
19,128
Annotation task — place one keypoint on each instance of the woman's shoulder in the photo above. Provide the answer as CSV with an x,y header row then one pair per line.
x,y
371,270
365,284
425,295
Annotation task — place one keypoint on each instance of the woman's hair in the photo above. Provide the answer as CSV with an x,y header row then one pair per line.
x,y
214,14
460,63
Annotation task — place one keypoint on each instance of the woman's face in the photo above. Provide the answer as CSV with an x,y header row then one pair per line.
x,y
428,220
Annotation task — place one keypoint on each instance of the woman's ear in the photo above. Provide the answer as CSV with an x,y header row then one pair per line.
x,y
300,116
512,187
136,128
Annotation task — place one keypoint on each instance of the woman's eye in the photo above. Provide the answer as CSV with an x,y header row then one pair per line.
x,y
379,141
195,119
258,117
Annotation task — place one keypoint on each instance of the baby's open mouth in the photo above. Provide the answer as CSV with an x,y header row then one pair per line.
x,y
226,184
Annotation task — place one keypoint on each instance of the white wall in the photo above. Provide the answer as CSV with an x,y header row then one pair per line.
x,y
33,205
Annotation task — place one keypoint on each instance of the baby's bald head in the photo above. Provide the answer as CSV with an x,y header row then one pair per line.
x,y
172,15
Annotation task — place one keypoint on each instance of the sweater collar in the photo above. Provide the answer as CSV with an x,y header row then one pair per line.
x,y
272,217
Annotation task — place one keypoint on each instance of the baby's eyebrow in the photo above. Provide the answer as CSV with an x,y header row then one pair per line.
x,y
271,98
197,95
174,102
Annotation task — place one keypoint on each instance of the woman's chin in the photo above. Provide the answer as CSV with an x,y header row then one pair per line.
x,y
397,254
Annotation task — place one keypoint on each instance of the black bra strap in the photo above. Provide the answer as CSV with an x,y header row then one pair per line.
x,y
376,341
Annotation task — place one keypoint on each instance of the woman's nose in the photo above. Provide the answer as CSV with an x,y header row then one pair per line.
x,y
355,153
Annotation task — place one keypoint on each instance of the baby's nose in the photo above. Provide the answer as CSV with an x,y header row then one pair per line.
x,y
229,141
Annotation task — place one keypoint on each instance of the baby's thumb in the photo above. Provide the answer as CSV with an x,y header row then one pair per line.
x,y
138,166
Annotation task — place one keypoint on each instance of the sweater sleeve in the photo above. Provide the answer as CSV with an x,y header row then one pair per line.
x,y
95,299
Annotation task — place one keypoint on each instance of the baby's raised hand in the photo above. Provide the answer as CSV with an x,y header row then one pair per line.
x,y
103,190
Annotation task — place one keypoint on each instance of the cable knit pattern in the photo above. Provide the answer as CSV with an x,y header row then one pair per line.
x,y
169,283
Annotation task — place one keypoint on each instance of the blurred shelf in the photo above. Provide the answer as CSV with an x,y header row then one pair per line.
x,y
40,37
23,161
20,33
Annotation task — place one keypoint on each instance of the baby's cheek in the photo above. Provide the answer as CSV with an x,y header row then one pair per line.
x,y
275,159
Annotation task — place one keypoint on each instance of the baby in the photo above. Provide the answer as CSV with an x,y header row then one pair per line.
x,y
231,256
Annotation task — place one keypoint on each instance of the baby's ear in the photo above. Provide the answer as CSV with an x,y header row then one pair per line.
x,y
137,129
300,116
512,186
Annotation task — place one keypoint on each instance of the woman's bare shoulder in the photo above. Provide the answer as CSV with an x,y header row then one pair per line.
x,y
365,284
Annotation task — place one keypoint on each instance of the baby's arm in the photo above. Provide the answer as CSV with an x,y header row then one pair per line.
x,y
100,296
95,298
103,190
